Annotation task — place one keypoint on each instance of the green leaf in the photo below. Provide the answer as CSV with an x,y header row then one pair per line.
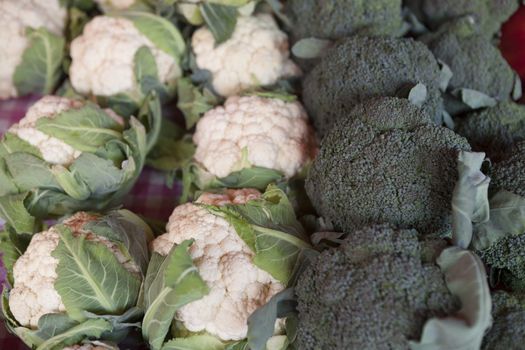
x,y
90,278
124,105
254,177
465,278
71,183
445,74
220,19
85,330
261,323
309,48
99,175
7,185
9,254
29,171
269,227
277,342
507,218
11,143
160,31
474,99
150,115
171,154
51,325
517,91
418,94
13,211
275,94
85,129
121,325
124,227
469,199
175,283
146,74
240,345
195,342
41,64
193,101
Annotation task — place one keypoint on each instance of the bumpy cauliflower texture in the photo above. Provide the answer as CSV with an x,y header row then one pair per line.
x,y
15,17
237,286
33,294
256,55
275,134
53,150
112,73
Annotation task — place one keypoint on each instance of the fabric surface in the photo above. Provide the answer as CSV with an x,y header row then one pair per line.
x,y
149,197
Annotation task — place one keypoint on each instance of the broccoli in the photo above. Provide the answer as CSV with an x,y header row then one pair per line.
x,y
489,14
509,174
374,291
359,68
385,165
475,62
335,19
508,328
494,130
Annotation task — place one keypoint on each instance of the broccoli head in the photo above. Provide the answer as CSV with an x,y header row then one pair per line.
x,y
389,166
358,68
494,130
508,327
335,19
509,173
489,14
374,291
475,62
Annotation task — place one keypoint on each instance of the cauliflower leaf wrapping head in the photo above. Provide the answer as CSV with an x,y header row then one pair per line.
x,y
78,276
255,55
31,46
142,52
224,260
253,131
79,157
244,246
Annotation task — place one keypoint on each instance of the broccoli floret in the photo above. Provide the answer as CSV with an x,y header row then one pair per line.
x,y
494,130
509,173
374,291
335,19
489,14
359,68
508,328
475,62
368,171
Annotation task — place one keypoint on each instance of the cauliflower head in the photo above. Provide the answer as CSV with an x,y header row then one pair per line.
x,y
92,73
256,55
275,134
54,151
16,16
34,294
237,286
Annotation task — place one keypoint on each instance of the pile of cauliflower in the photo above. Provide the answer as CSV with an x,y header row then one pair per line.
x,y
330,195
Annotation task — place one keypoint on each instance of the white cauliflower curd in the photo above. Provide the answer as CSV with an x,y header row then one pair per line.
x,y
237,286
275,134
54,151
257,54
33,294
103,58
16,17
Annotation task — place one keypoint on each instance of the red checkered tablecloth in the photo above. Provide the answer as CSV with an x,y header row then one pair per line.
x,y
150,196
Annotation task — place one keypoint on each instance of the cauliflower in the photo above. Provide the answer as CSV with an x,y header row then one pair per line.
x,y
53,150
224,260
16,16
111,73
34,294
275,134
256,55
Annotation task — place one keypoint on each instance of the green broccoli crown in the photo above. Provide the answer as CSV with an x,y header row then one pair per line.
x,y
509,174
359,68
380,169
507,254
494,130
489,14
508,328
374,291
335,19
475,62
